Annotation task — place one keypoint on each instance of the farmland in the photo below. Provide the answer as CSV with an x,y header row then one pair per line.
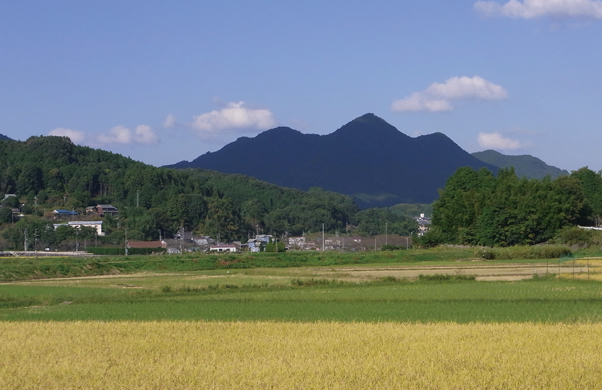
x,y
260,355
436,323
402,293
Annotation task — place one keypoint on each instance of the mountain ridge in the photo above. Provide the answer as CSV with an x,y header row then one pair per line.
x,y
366,158
524,165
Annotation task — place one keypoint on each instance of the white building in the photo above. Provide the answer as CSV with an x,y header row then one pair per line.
x,y
222,248
96,225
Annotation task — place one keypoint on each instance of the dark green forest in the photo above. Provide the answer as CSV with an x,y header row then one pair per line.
x,y
478,208
47,173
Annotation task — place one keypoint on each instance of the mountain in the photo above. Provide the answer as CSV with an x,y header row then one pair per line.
x,y
4,138
524,165
367,158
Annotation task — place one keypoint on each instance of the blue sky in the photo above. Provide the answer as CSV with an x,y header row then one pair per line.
x,y
165,81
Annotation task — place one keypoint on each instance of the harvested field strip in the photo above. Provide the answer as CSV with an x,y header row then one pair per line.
x,y
192,355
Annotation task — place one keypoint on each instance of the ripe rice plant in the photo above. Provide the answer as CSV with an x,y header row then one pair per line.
x,y
260,355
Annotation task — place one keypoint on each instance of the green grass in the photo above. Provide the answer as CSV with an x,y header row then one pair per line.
x,y
543,300
296,286
12,269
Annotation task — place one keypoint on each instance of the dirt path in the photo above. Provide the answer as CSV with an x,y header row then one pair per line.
x,y
483,272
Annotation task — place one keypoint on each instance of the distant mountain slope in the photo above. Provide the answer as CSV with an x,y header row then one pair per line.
x,y
4,138
367,158
524,165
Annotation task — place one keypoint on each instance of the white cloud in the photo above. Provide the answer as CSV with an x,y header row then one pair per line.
x,y
439,96
170,121
143,134
76,136
498,141
529,9
235,116
420,101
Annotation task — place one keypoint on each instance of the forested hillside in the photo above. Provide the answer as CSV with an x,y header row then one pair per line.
x,y
478,208
524,165
47,173
367,158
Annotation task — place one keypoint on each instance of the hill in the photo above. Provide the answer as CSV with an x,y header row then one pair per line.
x,y
367,158
4,138
48,173
524,165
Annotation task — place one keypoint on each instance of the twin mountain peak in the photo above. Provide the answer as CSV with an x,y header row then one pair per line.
x,y
367,158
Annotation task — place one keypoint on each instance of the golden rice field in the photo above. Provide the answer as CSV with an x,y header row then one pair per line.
x,y
273,355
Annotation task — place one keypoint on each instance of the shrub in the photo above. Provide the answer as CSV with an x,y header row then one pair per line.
x,y
446,278
577,236
430,239
106,251
484,253
524,252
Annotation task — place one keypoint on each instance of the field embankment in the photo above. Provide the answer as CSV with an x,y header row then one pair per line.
x,y
22,268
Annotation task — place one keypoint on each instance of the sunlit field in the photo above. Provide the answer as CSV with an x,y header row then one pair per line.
x,y
265,355
346,327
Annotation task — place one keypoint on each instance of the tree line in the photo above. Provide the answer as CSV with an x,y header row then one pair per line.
x,y
478,208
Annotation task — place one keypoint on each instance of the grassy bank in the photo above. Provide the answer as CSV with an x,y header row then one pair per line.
x,y
30,268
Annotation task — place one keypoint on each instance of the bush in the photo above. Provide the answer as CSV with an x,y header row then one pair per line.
x,y
430,239
106,251
484,253
524,252
446,278
576,236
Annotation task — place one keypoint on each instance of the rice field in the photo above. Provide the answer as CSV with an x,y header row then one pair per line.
x,y
285,329
275,355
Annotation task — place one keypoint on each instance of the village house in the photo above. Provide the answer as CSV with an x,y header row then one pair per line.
x,y
255,245
222,248
106,209
61,213
423,224
203,240
96,225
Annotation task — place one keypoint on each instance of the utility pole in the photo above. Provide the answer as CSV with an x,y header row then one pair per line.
x,y
126,241
323,241
137,198
386,233
76,243
25,243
